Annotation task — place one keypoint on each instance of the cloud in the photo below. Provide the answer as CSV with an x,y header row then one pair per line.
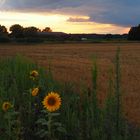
x,y
118,12
41,5
78,19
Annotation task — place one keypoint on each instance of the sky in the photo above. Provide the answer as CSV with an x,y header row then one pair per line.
x,y
72,16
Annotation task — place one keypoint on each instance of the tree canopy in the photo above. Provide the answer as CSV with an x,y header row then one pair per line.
x,y
47,29
134,33
30,31
16,30
3,29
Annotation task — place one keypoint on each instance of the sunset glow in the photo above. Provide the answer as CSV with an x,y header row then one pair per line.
x,y
58,23
80,16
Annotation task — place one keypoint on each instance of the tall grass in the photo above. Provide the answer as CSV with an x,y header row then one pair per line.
x,y
80,114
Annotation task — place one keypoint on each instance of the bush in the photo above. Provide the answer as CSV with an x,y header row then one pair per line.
x,y
29,40
33,40
4,39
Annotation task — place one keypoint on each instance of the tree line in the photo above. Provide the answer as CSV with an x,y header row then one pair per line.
x,y
18,32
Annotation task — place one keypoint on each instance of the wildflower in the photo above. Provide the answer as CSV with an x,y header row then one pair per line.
x,y
52,102
33,74
35,91
6,106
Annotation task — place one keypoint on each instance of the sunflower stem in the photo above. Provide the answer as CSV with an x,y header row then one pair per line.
x,y
30,106
49,125
9,127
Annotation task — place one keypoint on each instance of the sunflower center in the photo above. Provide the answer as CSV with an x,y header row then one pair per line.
x,y
33,74
51,101
6,106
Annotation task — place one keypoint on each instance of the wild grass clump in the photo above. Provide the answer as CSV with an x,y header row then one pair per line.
x,y
34,106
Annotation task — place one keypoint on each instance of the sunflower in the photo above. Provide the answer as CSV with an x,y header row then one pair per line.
x,y
35,91
6,106
52,102
34,74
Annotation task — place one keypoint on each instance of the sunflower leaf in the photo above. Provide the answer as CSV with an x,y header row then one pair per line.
x,y
57,124
61,129
44,111
42,133
41,121
55,114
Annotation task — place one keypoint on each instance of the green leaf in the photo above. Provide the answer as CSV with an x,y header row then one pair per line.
x,y
42,133
57,124
61,129
44,123
14,113
41,121
55,114
44,111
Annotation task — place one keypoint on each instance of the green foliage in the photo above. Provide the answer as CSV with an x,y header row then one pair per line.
x,y
11,124
49,126
80,113
15,84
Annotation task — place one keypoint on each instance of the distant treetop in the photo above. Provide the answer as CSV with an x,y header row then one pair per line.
x,y
3,29
47,29
16,30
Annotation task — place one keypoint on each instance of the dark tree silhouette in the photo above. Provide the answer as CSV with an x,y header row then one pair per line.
x,y
16,30
47,29
31,31
3,34
3,30
134,33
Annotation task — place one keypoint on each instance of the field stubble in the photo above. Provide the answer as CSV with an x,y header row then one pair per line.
x,y
73,63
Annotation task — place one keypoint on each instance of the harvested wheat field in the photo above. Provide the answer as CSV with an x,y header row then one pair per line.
x,y
73,62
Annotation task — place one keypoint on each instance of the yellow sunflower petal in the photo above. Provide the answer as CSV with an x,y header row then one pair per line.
x,y
35,91
34,74
52,102
6,106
